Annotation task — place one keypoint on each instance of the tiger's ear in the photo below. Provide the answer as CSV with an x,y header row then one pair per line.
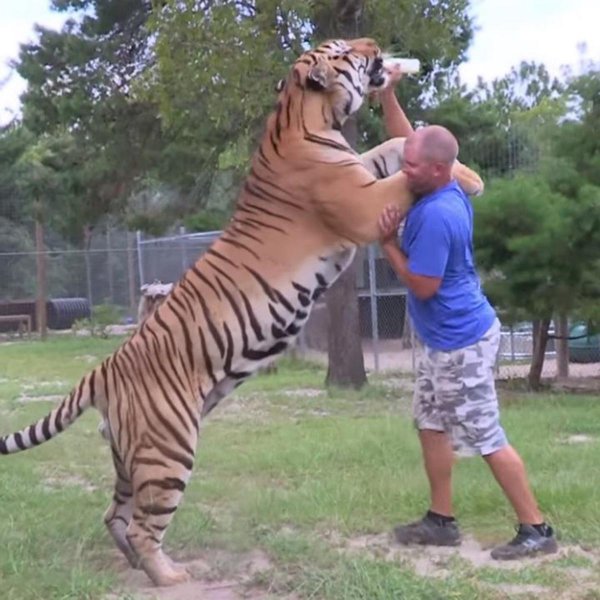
x,y
321,76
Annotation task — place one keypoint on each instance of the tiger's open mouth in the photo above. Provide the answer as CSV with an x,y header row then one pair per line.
x,y
377,77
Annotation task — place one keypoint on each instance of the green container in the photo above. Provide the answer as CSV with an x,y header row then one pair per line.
x,y
585,348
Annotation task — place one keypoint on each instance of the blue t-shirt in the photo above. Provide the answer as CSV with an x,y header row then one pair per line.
x,y
438,241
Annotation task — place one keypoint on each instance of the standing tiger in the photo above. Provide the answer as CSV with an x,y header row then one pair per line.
x,y
307,203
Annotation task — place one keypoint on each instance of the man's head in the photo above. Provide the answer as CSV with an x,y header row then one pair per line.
x,y
429,155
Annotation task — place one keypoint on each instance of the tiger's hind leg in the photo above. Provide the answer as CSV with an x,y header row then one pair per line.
x,y
157,490
119,513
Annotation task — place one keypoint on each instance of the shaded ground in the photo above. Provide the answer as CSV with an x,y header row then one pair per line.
x,y
223,576
392,357
216,576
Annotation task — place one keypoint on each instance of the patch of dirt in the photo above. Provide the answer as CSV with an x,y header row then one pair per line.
x,y
218,576
403,384
304,393
25,399
516,589
238,408
88,358
58,482
39,384
578,439
434,561
579,383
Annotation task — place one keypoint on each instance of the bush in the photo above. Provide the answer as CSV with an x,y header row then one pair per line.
x,y
103,316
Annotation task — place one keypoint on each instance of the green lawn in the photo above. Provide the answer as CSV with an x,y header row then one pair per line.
x,y
299,474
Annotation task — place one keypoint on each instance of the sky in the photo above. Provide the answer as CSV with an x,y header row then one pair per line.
x,y
508,31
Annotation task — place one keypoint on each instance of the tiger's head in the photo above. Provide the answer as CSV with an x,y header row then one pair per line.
x,y
339,74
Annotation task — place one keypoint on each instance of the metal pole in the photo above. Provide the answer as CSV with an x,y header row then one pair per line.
x,y
512,344
373,297
138,240
88,267
131,273
109,269
41,280
184,264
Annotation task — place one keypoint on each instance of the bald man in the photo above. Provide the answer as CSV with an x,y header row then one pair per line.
x,y
455,404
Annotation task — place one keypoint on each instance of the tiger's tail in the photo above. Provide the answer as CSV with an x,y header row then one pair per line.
x,y
58,419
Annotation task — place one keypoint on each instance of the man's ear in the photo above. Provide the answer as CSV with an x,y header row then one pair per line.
x,y
321,76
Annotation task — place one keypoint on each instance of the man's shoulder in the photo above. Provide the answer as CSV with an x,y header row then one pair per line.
x,y
453,190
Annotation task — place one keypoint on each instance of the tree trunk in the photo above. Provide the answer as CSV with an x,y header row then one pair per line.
x,y
562,346
344,349
346,362
42,283
540,340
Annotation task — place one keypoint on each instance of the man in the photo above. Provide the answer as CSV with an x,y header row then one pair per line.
x,y
455,403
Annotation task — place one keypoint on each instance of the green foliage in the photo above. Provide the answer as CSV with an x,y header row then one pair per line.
x,y
218,63
210,220
80,96
538,248
17,272
103,316
14,140
504,124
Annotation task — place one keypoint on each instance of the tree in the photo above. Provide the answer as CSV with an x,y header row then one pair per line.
x,y
539,251
218,63
346,367
498,123
81,91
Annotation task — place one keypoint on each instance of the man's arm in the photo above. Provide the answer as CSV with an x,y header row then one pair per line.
x,y
422,286
396,122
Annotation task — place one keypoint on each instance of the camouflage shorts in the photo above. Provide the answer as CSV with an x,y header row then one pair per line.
x,y
455,393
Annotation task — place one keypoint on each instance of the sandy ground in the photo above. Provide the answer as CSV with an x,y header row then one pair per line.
x,y
392,357
240,582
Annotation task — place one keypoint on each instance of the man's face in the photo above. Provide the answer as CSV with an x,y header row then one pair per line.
x,y
422,175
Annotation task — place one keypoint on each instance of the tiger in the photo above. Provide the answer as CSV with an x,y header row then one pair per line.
x,y
308,202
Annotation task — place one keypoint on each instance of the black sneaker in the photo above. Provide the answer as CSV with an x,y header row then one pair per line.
x,y
528,542
428,531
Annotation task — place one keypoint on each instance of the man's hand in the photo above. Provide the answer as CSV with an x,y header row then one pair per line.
x,y
388,223
394,73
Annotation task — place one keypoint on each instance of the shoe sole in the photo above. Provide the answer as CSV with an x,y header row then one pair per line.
x,y
550,550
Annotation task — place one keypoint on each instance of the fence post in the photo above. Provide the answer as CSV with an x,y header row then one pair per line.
x,y
87,233
42,280
512,343
109,269
131,273
373,297
138,238
184,264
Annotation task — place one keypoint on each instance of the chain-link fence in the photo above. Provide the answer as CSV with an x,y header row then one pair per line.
x,y
116,263
71,281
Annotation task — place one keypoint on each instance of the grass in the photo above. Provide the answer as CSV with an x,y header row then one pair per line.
x,y
283,466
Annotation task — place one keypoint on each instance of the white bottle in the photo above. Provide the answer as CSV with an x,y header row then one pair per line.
x,y
408,66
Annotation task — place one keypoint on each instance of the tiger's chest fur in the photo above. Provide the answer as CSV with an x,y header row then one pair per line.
x,y
269,324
